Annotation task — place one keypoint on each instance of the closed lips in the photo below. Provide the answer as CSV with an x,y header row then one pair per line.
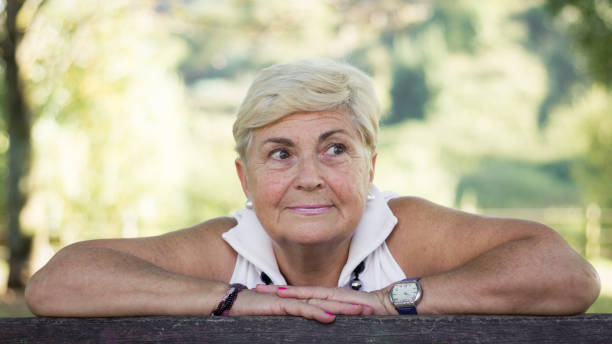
x,y
311,209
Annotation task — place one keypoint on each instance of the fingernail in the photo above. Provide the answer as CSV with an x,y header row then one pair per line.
x,y
356,304
282,288
328,313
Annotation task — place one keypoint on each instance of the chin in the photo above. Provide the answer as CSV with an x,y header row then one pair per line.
x,y
315,233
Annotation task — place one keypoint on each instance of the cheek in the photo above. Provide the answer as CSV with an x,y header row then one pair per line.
x,y
349,183
270,186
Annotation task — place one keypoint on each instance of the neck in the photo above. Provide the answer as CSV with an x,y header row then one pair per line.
x,y
312,265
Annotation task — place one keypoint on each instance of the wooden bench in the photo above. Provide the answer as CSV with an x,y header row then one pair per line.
x,y
589,328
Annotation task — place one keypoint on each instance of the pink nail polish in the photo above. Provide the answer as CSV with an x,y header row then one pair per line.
x,y
282,288
328,313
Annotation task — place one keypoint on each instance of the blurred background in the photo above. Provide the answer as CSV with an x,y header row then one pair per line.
x,y
116,115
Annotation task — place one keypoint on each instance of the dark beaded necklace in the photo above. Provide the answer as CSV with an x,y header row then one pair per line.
x,y
355,282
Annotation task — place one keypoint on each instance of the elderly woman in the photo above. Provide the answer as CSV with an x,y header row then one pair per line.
x,y
316,238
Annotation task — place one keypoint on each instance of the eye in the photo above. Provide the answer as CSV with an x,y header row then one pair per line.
x,y
280,154
336,149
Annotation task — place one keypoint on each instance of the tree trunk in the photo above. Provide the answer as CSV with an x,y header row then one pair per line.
x,y
19,127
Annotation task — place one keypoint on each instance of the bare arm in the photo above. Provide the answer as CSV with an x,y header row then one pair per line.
x,y
180,273
475,264
183,272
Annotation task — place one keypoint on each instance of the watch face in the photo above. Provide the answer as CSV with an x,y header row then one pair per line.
x,y
405,294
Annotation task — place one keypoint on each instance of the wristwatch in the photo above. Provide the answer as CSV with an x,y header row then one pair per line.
x,y
406,295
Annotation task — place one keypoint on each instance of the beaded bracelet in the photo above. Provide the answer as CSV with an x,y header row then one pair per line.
x,y
228,300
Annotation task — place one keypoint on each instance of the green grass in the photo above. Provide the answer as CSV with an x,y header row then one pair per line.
x,y
602,305
12,304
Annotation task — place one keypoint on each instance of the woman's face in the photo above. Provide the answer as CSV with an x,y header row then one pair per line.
x,y
308,175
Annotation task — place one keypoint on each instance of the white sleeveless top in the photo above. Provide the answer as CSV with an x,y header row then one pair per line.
x,y
255,255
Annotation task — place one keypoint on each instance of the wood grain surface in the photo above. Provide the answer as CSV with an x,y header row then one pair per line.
x,y
589,328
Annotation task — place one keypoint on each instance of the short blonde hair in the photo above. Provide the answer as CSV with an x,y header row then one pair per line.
x,y
305,86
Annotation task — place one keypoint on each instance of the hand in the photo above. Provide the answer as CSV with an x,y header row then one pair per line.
x,y
260,302
375,302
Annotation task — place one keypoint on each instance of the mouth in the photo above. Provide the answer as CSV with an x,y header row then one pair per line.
x,y
311,209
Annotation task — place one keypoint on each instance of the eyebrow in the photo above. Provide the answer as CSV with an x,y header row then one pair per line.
x,y
327,134
290,143
281,140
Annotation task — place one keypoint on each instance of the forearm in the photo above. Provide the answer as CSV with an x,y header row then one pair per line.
x,y
536,275
97,281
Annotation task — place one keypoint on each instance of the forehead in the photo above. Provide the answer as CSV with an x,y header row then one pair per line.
x,y
306,124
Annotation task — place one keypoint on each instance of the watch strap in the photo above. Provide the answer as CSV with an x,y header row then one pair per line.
x,y
406,310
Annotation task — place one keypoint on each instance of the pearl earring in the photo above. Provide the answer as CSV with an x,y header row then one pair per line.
x,y
248,204
370,197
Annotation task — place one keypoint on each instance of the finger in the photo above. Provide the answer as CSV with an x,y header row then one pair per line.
x,y
324,293
336,307
340,300
268,289
253,303
306,310
367,310
307,292
336,294
314,293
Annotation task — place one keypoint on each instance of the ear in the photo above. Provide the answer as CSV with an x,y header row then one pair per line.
x,y
372,166
241,170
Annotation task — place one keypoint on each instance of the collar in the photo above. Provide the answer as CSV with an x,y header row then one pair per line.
x,y
249,239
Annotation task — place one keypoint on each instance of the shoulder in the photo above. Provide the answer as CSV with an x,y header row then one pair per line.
x,y
415,211
414,240
416,214
206,234
201,248
430,238
210,230
418,221
198,251
405,204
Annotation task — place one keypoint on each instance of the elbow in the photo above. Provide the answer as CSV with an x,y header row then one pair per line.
x,y
42,291
577,283
586,287
572,283
42,296
35,297
574,291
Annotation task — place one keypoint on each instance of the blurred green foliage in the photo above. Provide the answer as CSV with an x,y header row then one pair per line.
x,y
553,47
134,102
518,184
4,144
459,23
589,24
409,93
594,169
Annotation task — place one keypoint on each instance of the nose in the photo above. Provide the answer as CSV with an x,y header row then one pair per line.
x,y
308,175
